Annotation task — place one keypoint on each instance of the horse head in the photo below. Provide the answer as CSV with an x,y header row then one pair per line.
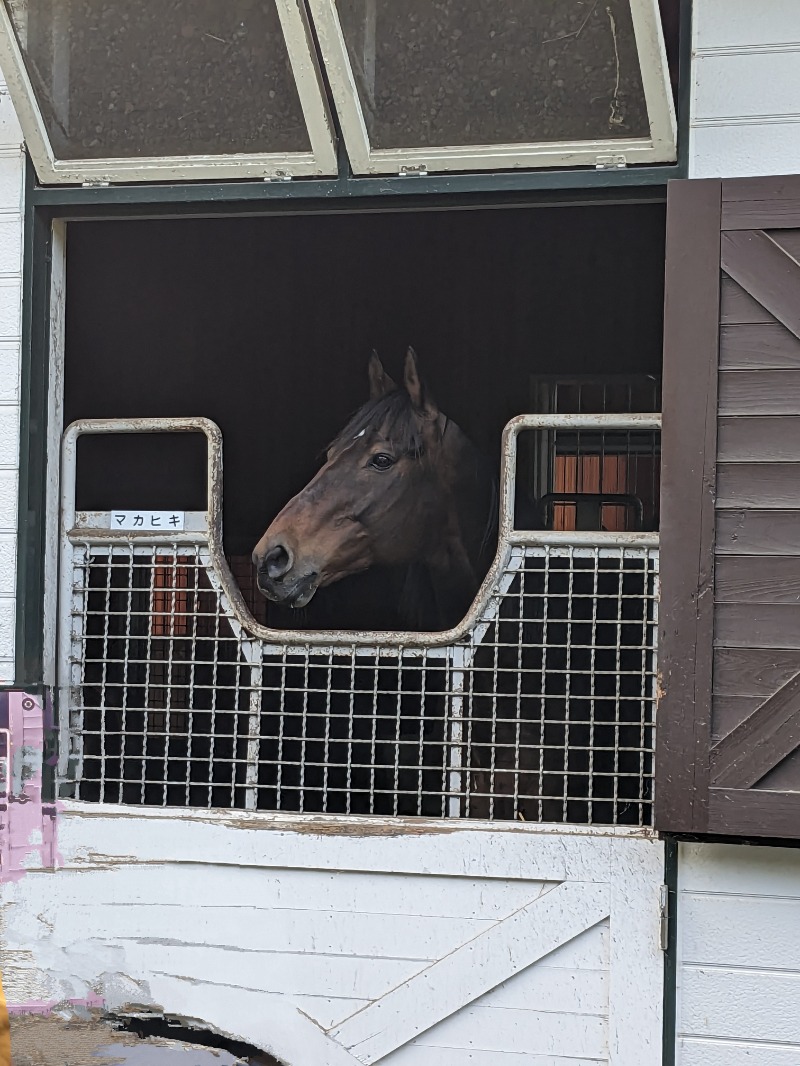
x,y
391,493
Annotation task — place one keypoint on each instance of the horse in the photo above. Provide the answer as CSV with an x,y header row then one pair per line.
x,y
403,492
400,520
546,720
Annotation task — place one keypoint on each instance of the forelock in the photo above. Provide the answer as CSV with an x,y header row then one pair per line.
x,y
392,415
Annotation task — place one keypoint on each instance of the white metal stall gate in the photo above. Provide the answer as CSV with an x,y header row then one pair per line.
x,y
539,708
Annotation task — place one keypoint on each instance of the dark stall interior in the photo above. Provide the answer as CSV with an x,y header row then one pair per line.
x,y
265,325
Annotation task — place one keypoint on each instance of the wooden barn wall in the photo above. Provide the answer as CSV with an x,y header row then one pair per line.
x,y
745,88
757,572
12,174
728,757
739,956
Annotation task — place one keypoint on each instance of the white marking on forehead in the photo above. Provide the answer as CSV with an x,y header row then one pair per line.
x,y
361,434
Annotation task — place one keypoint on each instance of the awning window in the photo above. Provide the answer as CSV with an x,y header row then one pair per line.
x,y
166,88
179,89
466,84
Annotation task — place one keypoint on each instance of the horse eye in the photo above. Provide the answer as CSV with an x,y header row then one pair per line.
x,y
382,461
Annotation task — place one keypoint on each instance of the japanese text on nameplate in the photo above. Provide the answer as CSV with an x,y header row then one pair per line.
x,y
162,521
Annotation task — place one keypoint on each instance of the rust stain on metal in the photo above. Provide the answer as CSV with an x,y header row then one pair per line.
x,y
660,690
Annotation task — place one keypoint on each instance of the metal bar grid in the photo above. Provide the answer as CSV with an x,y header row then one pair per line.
x,y
561,692
539,708
544,713
160,711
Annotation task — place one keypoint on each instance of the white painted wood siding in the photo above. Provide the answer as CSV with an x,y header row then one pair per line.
x,y
12,177
391,941
745,88
739,956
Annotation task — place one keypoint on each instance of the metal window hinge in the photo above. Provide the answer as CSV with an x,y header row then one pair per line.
x,y
96,183
611,161
279,175
664,918
414,172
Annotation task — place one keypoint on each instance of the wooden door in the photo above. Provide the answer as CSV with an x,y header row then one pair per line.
x,y
336,941
728,749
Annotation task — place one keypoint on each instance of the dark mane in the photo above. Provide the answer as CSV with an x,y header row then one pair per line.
x,y
391,413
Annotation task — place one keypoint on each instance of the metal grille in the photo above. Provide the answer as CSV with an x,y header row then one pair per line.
x,y
584,480
541,708
592,478
594,394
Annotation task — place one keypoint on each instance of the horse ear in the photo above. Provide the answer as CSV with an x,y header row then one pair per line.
x,y
415,387
379,381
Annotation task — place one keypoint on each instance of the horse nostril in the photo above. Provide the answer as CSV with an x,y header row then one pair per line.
x,y
277,562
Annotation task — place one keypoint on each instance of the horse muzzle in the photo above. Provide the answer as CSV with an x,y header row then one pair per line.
x,y
278,581
298,594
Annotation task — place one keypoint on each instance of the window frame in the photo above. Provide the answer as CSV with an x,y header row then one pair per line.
x,y
659,147
320,161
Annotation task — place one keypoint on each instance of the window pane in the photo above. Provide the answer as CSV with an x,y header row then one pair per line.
x,y
439,73
160,77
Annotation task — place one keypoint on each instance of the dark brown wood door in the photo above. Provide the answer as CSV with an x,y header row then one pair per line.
x,y
728,747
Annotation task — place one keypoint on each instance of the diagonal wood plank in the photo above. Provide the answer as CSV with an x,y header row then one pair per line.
x,y
754,812
766,271
474,968
762,740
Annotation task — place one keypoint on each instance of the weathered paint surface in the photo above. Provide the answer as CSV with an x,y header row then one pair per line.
x,y
739,956
318,941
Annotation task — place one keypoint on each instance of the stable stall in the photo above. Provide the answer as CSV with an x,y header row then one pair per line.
x,y
333,836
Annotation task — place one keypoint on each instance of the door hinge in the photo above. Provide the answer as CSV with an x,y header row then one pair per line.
x,y
611,161
663,931
413,172
279,175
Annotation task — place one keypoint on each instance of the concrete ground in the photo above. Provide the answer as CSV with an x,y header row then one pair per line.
x,y
50,1040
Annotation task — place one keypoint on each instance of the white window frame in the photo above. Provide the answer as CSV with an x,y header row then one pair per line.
x,y
320,161
659,147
